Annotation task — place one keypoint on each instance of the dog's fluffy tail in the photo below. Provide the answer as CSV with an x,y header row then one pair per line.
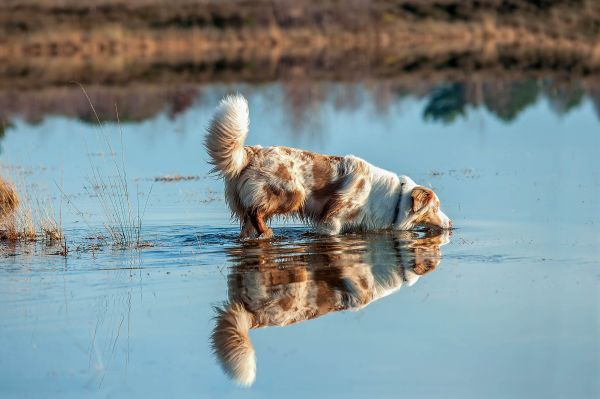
x,y
226,135
231,343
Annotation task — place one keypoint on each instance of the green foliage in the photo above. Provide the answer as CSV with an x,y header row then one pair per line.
x,y
446,104
507,104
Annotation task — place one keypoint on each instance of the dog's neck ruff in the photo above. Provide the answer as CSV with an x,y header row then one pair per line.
x,y
398,205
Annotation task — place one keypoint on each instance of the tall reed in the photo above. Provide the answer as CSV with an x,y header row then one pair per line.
x,y
122,219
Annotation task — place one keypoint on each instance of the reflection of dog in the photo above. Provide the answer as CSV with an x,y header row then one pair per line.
x,y
336,194
271,287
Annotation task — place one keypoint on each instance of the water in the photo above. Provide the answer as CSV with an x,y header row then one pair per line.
x,y
507,306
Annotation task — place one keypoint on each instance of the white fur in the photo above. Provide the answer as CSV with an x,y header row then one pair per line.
x,y
446,222
403,221
232,345
379,206
226,135
365,196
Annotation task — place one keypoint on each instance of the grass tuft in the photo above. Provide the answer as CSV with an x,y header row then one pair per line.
x,y
22,222
122,219
9,200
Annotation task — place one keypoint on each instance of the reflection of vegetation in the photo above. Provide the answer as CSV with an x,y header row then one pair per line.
x,y
508,103
564,99
302,99
4,126
446,103
506,100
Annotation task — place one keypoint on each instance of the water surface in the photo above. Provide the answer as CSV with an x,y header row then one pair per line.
x,y
507,306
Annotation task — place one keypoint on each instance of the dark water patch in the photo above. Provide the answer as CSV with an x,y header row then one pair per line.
x,y
487,259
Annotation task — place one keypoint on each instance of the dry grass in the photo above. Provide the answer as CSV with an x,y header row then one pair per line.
x,y
213,41
16,221
9,200
122,219
25,218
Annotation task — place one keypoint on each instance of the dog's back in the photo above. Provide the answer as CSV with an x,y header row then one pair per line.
x,y
265,182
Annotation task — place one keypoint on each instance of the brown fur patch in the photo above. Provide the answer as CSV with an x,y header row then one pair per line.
x,y
361,184
426,259
322,170
429,217
331,194
286,150
353,214
324,298
348,184
307,154
421,197
364,283
283,173
278,202
286,303
432,218
253,151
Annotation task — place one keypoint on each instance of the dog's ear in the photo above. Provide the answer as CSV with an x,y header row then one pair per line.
x,y
421,197
426,259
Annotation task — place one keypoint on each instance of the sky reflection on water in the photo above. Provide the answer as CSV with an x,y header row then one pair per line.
x,y
511,310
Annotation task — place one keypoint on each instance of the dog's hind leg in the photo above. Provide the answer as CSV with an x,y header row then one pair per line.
x,y
258,221
247,229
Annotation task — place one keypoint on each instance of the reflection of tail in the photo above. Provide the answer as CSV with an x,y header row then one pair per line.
x,y
232,345
226,135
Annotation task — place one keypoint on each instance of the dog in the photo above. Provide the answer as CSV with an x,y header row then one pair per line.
x,y
334,194
267,287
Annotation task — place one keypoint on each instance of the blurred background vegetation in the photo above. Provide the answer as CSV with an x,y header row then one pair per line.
x,y
152,56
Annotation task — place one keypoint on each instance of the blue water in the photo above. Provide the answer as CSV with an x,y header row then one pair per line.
x,y
512,308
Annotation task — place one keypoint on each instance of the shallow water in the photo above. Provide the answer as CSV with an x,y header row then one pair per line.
x,y
507,306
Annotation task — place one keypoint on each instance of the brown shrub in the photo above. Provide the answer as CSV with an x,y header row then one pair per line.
x,y
9,200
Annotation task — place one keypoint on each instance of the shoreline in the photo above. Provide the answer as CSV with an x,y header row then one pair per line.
x,y
110,42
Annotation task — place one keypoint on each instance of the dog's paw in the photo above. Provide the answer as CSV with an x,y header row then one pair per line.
x,y
330,228
266,235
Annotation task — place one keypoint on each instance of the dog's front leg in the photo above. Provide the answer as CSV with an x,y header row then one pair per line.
x,y
330,227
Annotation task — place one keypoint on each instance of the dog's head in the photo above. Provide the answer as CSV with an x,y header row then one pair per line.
x,y
420,207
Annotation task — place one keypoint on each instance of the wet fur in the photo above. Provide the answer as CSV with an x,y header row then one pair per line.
x,y
335,194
